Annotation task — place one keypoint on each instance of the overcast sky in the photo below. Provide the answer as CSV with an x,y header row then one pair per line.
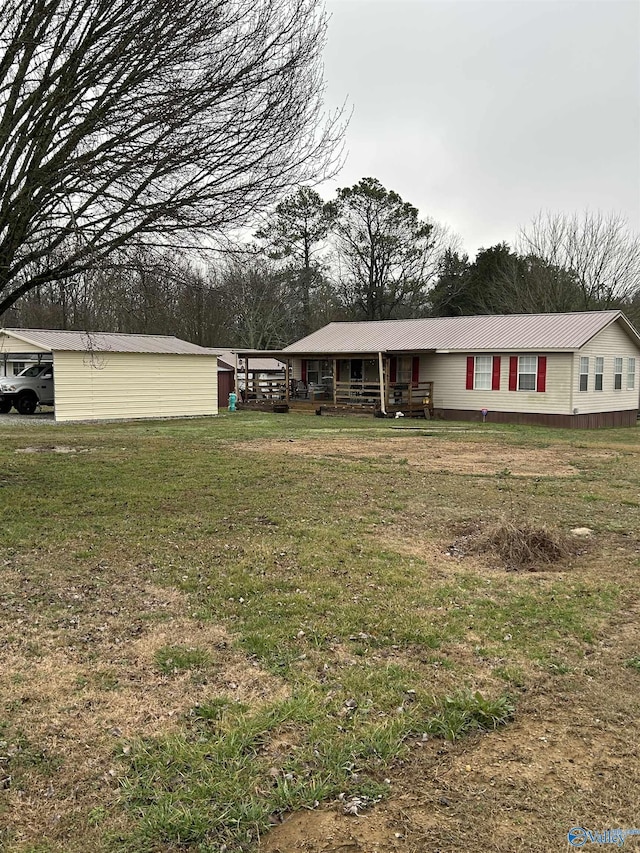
x,y
483,112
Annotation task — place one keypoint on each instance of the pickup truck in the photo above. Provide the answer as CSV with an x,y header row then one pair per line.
x,y
28,390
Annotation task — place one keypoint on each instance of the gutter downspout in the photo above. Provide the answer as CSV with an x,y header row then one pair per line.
x,y
383,407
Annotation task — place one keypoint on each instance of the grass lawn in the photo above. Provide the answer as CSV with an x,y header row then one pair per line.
x,y
282,632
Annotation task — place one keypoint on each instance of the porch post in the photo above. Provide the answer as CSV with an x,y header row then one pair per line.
x,y
383,406
335,380
287,378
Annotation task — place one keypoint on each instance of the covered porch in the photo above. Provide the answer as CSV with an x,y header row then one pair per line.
x,y
380,383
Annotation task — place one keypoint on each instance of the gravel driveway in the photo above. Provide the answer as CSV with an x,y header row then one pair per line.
x,y
45,416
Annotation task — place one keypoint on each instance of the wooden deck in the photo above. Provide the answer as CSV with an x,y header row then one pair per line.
x,y
354,397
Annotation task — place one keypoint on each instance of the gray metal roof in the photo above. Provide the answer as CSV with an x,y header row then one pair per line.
x,y
105,342
488,332
257,363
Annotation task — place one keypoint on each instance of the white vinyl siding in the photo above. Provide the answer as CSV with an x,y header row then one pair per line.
x,y
11,345
631,374
134,385
609,344
483,365
584,374
448,371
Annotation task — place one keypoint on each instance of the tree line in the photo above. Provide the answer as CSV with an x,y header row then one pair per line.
x,y
365,255
135,136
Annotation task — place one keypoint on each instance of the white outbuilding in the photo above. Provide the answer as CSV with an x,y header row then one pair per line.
x,y
104,376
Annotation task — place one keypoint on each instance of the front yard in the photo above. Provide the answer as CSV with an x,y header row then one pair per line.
x,y
282,632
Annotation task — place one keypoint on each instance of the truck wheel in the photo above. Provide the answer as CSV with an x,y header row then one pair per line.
x,y
5,406
26,404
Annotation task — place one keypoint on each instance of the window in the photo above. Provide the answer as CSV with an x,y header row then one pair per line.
x,y
631,374
584,373
482,372
404,369
527,372
319,371
18,367
34,370
313,372
599,371
617,374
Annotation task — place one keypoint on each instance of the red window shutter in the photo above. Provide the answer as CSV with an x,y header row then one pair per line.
x,y
541,384
393,369
303,370
513,373
415,370
470,371
495,375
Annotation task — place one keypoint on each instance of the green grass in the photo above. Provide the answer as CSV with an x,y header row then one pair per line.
x,y
317,568
467,712
172,659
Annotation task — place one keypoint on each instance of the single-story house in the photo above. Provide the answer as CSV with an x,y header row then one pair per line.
x,y
100,375
574,369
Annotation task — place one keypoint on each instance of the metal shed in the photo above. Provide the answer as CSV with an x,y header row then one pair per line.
x,y
103,376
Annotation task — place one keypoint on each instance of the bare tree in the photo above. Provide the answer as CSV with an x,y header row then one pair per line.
x,y
132,121
599,251
255,302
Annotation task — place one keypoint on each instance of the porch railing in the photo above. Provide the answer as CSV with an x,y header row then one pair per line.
x,y
409,396
401,396
264,389
357,393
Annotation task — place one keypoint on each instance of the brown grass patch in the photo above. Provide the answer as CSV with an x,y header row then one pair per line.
x,y
431,454
81,687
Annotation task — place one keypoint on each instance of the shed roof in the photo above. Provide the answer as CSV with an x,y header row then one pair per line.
x,y
257,363
488,332
60,341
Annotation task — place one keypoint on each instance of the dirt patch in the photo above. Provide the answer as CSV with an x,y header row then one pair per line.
x,y
429,454
571,758
85,683
58,448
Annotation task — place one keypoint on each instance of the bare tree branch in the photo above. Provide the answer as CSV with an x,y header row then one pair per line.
x,y
125,120
597,249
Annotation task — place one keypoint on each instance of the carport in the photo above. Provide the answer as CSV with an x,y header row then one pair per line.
x,y
100,375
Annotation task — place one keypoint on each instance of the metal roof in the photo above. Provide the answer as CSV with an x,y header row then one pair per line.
x,y
105,342
256,364
467,334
